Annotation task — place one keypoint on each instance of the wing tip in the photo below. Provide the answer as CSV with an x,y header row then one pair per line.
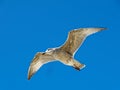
x,y
28,78
30,75
103,28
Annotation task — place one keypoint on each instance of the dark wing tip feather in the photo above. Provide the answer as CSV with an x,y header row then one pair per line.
x,y
103,28
30,74
29,77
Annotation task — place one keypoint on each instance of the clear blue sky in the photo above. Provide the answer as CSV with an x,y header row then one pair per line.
x,y
29,26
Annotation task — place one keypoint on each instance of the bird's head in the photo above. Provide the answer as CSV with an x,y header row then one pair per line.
x,y
50,50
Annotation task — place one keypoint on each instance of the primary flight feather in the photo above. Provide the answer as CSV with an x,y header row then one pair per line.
x,y
64,53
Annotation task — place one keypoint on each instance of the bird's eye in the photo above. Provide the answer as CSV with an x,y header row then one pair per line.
x,y
48,49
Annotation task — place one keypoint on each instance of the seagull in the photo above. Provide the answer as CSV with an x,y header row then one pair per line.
x,y
64,53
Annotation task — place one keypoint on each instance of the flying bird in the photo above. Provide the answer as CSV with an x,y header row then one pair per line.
x,y
64,53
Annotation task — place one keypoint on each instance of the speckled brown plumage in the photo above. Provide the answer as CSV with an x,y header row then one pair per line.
x,y
64,53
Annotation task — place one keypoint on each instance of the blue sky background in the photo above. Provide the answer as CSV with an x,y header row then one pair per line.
x,y
29,26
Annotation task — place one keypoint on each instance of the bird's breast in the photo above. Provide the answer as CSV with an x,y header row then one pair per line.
x,y
61,55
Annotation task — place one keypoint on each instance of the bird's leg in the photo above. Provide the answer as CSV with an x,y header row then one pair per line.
x,y
77,65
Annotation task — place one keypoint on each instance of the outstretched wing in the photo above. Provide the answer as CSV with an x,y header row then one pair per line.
x,y
76,37
37,62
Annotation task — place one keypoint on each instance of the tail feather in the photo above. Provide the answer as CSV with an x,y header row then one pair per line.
x,y
77,65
